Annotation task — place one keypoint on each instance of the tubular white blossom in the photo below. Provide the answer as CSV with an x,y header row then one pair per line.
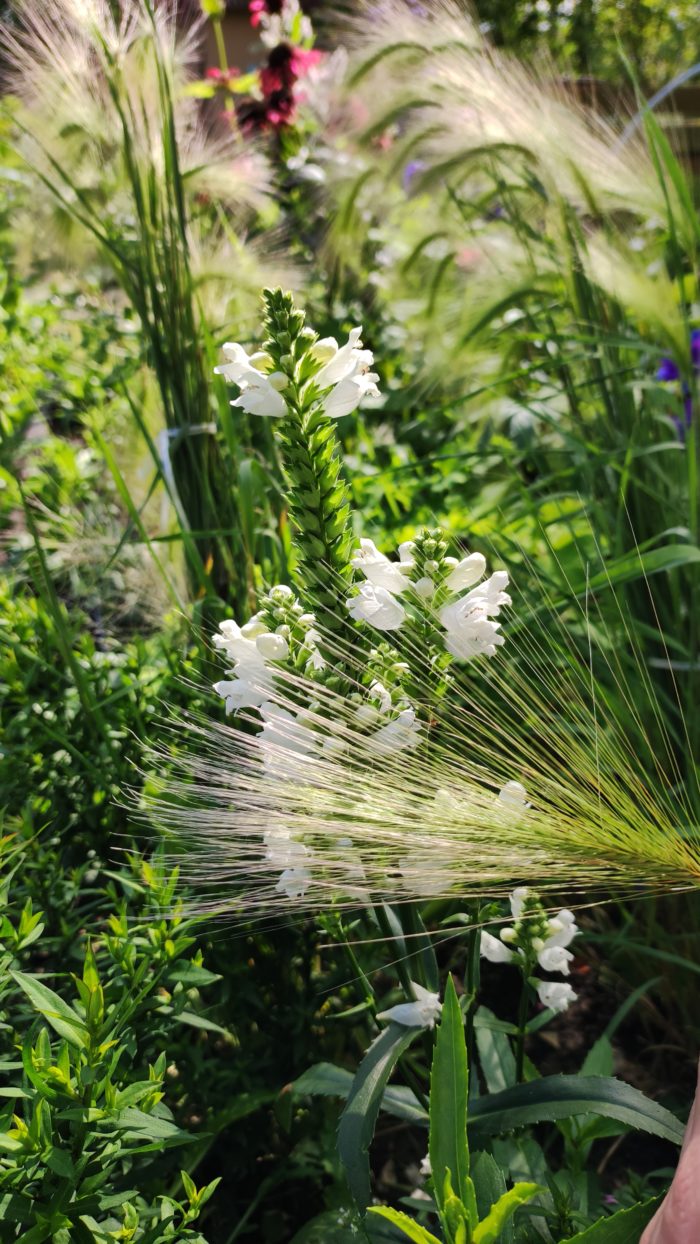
x,y
493,949
379,570
556,995
377,606
421,1013
466,572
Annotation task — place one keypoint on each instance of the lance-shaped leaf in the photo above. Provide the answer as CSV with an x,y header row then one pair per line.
x,y
561,1097
449,1086
62,1018
411,1229
360,1114
490,1228
624,1227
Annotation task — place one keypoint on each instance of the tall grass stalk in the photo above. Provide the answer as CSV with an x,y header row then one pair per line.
x,y
124,162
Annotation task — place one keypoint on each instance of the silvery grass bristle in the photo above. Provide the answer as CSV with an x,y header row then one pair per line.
x,y
94,84
587,810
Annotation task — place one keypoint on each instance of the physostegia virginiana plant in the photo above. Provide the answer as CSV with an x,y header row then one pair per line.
x,y
406,727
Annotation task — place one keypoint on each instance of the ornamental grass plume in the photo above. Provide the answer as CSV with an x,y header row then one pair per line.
x,y
481,185
404,728
119,160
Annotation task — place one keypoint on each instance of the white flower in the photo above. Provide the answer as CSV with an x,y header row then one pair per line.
x,y
261,396
377,569
472,636
422,1013
340,361
424,587
252,683
283,738
555,959
283,851
397,735
494,950
347,395
490,594
513,795
346,371
236,643
260,390
376,606
244,692
563,928
294,882
467,621
240,364
272,647
406,551
517,900
556,995
466,572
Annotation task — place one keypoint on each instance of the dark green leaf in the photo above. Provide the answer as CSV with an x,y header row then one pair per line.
x,y
624,1227
561,1097
360,1114
449,1087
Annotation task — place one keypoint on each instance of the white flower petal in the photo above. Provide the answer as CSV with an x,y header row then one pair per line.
x,y
422,1013
556,995
493,949
468,571
377,606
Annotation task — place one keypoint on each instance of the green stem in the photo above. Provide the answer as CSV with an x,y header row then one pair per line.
x,y
522,1025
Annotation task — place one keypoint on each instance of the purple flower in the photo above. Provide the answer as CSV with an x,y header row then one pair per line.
x,y
669,370
412,169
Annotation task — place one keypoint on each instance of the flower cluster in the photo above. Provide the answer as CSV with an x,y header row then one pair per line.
x,y
340,375
280,634
428,581
278,20
287,33
536,940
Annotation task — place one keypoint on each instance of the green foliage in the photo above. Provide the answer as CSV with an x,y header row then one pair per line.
x,y
364,1099
87,1104
449,1155
127,1048
659,39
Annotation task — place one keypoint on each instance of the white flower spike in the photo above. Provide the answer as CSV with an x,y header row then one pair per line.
x,y
421,1013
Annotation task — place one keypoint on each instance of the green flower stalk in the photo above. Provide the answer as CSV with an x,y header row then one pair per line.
x,y
319,502
306,383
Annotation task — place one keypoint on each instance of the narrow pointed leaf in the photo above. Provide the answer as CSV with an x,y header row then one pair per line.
x,y
411,1229
489,1230
562,1097
624,1227
62,1018
449,1085
360,1114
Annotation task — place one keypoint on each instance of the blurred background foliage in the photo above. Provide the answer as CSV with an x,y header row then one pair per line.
x,y
518,306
